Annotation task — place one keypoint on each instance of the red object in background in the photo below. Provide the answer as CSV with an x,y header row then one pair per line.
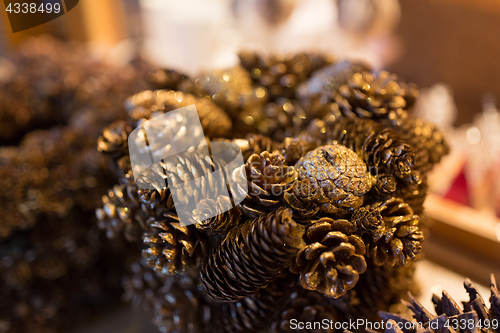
x,y
459,191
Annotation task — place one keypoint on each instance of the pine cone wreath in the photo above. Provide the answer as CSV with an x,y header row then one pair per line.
x,y
148,104
114,139
172,247
392,232
310,310
332,260
339,173
473,316
379,146
267,177
251,256
216,215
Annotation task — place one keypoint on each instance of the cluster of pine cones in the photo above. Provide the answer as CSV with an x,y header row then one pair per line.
x,y
331,223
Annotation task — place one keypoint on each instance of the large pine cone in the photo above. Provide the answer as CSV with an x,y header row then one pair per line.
x,y
333,258
172,246
472,317
223,218
252,256
392,231
308,308
379,146
147,104
267,178
340,175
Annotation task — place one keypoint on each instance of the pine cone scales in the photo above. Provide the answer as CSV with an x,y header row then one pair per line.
x,y
172,246
251,256
340,175
224,219
333,258
114,139
392,229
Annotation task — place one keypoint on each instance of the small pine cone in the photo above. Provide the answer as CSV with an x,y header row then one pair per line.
x,y
385,186
413,194
340,174
170,79
367,220
147,104
256,144
474,312
156,198
301,197
380,147
333,258
307,308
296,148
114,139
267,177
398,236
222,219
122,213
251,256
171,246
141,285
180,307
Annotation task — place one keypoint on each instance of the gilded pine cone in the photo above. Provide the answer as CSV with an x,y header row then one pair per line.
x,y
216,215
114,139
303,198
252,256
333,258
172,246
397,237
340,174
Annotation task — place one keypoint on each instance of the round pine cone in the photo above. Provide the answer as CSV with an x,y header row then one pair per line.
x,y
333,258
224,218
252,256
393,232
267,178
172,246
309,309
339,173
114,139
303,198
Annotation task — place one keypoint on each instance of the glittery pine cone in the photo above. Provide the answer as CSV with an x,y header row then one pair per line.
x,y
308,308
267,177
392,231
114,139
171,246
221,215
379,146
474,313
333,258
251,256
339,173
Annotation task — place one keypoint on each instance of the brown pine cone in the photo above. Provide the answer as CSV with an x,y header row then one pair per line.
x,y
142,284
251,256
114,139
296,148
180,307
413,194
172,80
171,246
309,309
339,173
302,198
333,258
148,104
256,144
393,232
380,147
474,313
267,177
224,216
122,213
385,186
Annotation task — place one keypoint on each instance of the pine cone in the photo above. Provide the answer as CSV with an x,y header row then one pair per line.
x,y
393,232
268,178
474,313
147,104
380,147
172,246
142,284
385,186
256,144
114,139
122,213
413,194
180,307
222,220
309,309
303,198
333,258
251,256
339,173
296,148
172,80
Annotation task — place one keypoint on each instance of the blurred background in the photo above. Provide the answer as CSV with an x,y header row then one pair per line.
x,y
449,48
